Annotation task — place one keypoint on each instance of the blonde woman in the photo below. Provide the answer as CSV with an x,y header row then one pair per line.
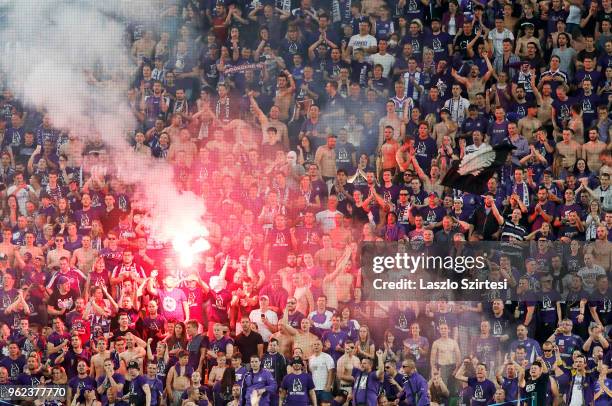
x,y
364,346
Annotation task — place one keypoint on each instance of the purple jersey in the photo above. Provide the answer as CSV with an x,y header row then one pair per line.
x,y
335,339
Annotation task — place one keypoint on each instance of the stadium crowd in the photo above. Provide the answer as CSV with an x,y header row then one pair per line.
x,y
310,127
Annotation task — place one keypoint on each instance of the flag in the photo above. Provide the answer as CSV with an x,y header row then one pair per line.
x,y
472,173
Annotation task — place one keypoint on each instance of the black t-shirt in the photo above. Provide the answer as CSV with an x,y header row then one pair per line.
x,y
248,344
537,388
460,44
63,301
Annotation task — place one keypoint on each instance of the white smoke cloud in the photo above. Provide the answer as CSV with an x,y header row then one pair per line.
x,y
51,50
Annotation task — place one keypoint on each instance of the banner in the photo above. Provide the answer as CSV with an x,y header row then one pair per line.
x,y
243,68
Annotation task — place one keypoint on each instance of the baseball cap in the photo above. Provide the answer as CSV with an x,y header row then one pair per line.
x,y
3,256
133,365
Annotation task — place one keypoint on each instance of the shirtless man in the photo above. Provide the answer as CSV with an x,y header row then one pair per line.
x,y
592,149
388,150
135,350
569,149
9,249
30,246
54,256
144,47
183,144
119,348
84,257
285,88
97,361
346,363
445,354
271,121
302,338
601,247
179,379
284,339
338,285
176,124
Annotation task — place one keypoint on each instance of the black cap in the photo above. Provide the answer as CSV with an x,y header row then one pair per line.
x,y
436,19
133,365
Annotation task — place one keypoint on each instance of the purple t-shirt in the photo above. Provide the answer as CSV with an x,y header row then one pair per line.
x,y
366,387
483,391
172,304
297,387
486,348
335,339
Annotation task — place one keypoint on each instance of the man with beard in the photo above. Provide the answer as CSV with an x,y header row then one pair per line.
x,y
86,215
367,380
297,388
71,357
32,375
155,104
136,389
566,341
80,381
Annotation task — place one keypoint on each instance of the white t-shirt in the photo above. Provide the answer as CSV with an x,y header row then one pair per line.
x,y
358,41
498,39
577,398
327,219
387,60
255,317
320,366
